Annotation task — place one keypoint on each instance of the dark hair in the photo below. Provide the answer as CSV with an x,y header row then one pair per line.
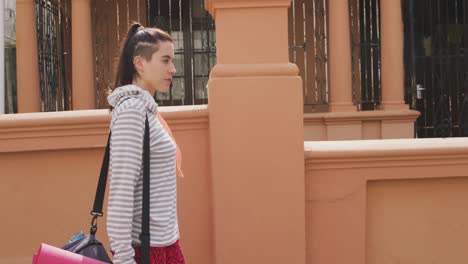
x,y
140,41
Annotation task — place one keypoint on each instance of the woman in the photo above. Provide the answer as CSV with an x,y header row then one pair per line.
x,y
146,65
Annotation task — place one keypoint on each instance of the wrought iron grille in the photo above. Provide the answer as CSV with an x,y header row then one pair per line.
x,y
191,27
111,19
11,102
436,72
54,46
309,51
365,39
308,37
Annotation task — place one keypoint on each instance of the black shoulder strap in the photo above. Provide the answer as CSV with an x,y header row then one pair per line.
x,y
145,231
101,189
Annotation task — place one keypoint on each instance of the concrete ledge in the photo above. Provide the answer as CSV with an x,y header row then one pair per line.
x,y
379,124
212,5
80,129
254,70
385,153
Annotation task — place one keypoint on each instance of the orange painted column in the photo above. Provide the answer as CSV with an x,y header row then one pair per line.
x,y
256,136
83,89
392,55
341,91
28,90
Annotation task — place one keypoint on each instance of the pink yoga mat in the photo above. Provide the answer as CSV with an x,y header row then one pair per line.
x,y
52,255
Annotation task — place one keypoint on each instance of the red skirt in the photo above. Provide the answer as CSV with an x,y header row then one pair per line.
x,y
164,255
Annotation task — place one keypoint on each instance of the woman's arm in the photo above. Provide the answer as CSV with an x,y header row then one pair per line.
x,y
126,159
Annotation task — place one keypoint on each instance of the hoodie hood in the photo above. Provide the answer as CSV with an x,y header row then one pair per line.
x,y
132,91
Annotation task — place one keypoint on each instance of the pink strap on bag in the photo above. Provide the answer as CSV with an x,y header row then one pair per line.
x,y
52,255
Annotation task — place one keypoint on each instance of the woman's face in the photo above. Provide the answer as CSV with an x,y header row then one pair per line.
x,y
156,74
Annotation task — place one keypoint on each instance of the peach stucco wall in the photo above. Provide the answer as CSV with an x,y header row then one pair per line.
x,y
49,169
374,201
418,221
379,124
387,201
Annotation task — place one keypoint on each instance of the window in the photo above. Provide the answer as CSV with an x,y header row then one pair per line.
x,y
308,41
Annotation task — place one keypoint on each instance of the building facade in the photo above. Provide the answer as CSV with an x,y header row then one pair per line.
x,y
260,187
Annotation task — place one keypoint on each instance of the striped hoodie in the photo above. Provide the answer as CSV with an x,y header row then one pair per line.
x,y
132,105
